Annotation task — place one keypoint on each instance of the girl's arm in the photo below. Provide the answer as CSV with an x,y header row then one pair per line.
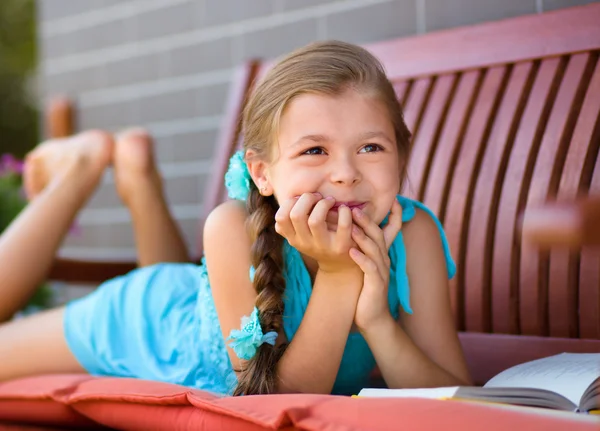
x,y
423,351
312,359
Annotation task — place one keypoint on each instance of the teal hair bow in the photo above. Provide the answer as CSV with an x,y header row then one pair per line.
x,y
245,342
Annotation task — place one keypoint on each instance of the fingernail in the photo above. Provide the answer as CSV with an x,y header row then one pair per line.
x,y
357,212
316,194
330,198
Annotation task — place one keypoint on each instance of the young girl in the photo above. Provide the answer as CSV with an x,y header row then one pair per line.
x,y
329,270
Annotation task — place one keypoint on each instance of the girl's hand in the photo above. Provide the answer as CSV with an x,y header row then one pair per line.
x,y
373,259
302,221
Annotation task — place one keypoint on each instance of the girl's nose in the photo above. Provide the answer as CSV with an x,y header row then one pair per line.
x,y
345,172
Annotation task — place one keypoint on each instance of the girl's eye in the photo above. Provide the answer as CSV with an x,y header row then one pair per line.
x,y
315,151
371,148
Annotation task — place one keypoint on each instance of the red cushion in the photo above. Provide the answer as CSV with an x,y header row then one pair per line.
x,y
81,400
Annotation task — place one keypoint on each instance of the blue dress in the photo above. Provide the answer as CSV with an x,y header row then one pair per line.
x,y
160,322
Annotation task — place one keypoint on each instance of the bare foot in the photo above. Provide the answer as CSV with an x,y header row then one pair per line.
x,y
135,170
89,153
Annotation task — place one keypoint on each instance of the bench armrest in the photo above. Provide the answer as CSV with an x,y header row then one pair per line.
x,y
92,272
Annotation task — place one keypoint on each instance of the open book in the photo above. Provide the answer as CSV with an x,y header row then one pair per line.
x,y
569,381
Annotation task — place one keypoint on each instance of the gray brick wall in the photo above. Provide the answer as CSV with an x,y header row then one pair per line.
x,y
167,65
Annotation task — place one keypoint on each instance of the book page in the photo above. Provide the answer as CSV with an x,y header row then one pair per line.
x,y
568,374
432,393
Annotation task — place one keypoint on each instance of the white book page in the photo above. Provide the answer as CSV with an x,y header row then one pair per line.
x,y
432,393
568,374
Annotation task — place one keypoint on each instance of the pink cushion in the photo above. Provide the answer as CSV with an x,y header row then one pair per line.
x,y
81,400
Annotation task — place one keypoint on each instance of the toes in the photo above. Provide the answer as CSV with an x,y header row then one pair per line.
x,y
134,134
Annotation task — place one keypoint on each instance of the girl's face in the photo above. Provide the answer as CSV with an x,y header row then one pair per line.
x,y
340,146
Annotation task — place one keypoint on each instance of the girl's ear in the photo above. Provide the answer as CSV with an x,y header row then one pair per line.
x,y
259,172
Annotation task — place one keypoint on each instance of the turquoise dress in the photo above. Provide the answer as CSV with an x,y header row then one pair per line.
x,y
160,322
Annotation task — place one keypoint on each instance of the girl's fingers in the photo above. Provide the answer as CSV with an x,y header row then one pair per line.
x,y
394,224
300,212
371,229
370,249
367,266
343,233
283,224
317,223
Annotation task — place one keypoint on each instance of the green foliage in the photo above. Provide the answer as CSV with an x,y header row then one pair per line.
x,y
19,129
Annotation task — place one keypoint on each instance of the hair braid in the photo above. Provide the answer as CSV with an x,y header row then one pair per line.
x,y
258,375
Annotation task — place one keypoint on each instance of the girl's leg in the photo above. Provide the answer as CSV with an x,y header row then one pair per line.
x,y
60,176
35,345
138,182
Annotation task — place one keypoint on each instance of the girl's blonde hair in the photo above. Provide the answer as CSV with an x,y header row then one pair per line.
x,y
328,68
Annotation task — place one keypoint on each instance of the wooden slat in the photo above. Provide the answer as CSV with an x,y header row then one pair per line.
x,y
88,272
563,282
402,90
425,142
413,112
60,117
589,266
548,165
489,354
487,190
517,39
505,255
458,212
444,160
589,273
416,103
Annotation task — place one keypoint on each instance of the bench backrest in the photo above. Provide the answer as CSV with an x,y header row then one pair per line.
x,y
505,116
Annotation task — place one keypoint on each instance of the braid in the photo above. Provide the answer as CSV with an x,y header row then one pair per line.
x,y
258,375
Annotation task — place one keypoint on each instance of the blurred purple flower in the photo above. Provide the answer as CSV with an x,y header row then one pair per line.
x,y
9,164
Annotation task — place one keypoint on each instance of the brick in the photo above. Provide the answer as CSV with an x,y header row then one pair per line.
x,y
559,4
171,106
178,18
112,235
111,117
194,146
373,22
185,190
273,42
88,39
136,69
211,99
228,11
189,230
287,5
104,197
440,14
163,149
202,57
53,9
74,82
58,46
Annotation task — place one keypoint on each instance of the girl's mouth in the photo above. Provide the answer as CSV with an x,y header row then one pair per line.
x,y
351,205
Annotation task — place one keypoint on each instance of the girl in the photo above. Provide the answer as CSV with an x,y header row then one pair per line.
x,y
328,269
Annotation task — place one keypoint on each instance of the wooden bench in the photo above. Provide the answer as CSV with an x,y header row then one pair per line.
x,y
61,122
506,116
